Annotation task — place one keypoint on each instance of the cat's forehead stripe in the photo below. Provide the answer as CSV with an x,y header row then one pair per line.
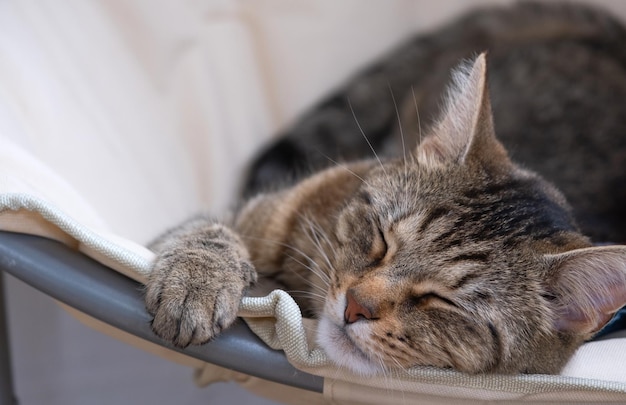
x,y
433,215
471,256
408,221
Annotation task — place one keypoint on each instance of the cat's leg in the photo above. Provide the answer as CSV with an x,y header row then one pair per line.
x,y
198,278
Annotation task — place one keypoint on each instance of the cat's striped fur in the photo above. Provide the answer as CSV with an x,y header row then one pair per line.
x,y
449,255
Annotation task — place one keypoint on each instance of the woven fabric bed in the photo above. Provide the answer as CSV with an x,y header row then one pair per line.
x,y
119,119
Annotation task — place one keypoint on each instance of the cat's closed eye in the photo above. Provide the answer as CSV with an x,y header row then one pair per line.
x,y
426,299
380,247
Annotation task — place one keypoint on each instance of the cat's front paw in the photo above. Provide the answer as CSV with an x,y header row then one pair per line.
x,y
194,293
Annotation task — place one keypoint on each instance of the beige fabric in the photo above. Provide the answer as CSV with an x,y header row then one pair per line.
x,y
119,118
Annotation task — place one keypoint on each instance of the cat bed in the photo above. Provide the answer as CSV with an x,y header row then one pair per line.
x,y
595,373
102,156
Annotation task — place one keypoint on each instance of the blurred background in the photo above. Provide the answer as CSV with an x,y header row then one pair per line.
x,y
99,91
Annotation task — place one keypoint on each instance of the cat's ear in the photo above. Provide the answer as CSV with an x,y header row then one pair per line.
x,y
465,134
589,286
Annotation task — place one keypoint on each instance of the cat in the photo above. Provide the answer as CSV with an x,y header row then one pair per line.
x,y
449,254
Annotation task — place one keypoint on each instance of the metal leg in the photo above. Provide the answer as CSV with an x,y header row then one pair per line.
x,y
7,396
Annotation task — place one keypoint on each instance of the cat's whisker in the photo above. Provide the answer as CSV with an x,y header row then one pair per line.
x,y
322,252
315,269
346,168
324,235
385,373
419,129
320,291
317,272
395,106
397,362
313,235
295,249
366,139
310,329
417,112
309,294
306,280
388,376
406,166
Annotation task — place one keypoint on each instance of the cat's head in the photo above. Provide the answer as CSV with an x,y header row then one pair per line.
x,y
456,257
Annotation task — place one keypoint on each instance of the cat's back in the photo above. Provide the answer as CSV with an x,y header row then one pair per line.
x,y
557,75
559,110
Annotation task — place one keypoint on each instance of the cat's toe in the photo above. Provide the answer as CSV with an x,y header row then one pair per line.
x,y
185,322
168,327
225,310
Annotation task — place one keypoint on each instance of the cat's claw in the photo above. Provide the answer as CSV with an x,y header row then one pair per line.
x,y
194,294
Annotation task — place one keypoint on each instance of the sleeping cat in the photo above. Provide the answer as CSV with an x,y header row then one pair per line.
x,y
450,254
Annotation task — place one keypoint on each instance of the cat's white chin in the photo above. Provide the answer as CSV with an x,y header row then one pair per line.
x,y
342,350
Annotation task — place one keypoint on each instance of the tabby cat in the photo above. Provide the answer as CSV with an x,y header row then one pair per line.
x,y
449,254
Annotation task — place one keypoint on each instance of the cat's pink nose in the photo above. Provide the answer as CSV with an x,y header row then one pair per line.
x,y
354,310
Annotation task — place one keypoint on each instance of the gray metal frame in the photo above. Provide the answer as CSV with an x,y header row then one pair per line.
x,y
7,393
82,283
